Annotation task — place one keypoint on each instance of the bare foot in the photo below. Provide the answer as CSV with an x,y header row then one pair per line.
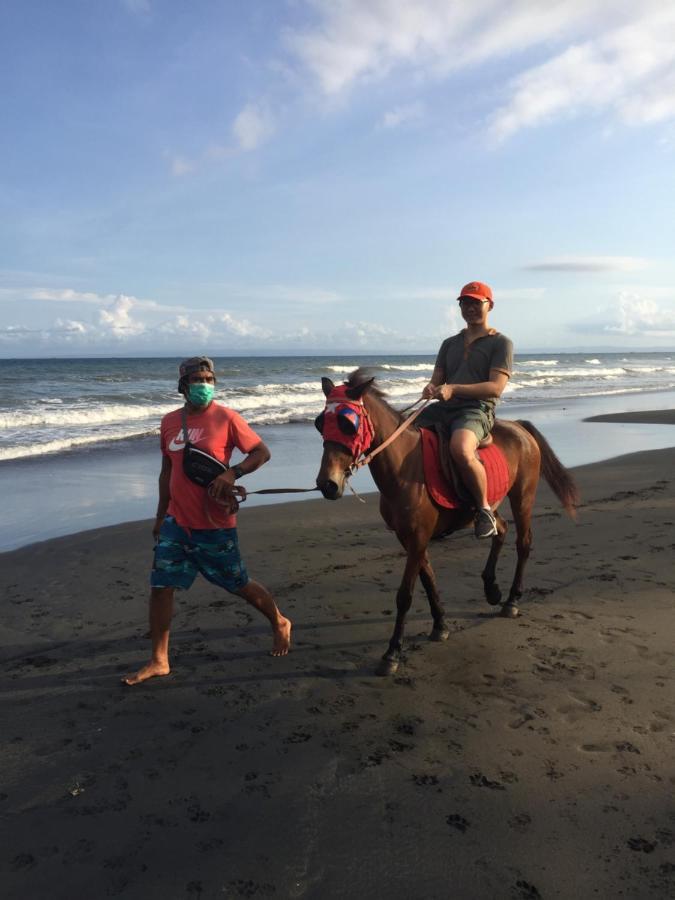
x,y
150,671
282,637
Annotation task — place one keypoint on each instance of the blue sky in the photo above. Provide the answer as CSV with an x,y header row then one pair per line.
x,y
324,175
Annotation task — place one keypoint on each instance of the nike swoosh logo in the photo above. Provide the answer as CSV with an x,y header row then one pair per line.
x,y
194,434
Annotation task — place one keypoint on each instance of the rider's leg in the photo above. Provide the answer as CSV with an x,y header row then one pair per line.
x,y
463,444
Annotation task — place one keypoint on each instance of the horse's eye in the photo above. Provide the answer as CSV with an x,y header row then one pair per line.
x,y
318,423
348,423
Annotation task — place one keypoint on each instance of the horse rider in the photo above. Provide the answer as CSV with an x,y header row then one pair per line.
x,y
470,374
196,489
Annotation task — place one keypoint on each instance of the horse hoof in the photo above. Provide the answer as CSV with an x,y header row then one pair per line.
x,y
386,667
439,633
510,611
493,595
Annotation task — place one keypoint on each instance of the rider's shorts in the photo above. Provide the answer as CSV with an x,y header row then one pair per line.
x,y
452,418
180,554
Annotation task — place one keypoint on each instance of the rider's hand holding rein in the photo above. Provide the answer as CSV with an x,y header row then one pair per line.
x,y
438,391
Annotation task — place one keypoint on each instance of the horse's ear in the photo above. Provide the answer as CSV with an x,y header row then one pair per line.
x,y
355,393
327,386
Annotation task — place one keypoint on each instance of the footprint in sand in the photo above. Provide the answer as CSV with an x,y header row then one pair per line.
x,y
580,707
524,890
661,722
458,822
520,822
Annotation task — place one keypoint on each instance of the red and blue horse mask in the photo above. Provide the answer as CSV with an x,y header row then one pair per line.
x,y
345,421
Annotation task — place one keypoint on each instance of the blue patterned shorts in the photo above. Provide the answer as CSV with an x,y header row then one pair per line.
x,y
180,555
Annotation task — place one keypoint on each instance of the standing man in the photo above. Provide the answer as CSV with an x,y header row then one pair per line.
x,y
195,529
470,373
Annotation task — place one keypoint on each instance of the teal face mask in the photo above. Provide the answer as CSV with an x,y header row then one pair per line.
x,y
200,394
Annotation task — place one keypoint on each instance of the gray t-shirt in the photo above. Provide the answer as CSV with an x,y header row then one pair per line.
x,y
472,365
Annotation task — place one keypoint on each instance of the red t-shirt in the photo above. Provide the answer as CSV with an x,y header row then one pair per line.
x,y
218,431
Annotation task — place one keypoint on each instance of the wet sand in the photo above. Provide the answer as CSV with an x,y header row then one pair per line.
x,y
521,759
640,417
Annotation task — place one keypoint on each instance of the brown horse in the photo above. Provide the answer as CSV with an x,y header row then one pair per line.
x,y
406,506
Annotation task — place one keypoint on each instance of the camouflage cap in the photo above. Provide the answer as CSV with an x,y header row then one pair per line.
x,y
195,364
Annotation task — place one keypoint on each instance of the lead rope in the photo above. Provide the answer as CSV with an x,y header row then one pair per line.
x,y
354,467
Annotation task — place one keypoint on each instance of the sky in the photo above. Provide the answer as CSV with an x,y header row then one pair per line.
x,y
322,176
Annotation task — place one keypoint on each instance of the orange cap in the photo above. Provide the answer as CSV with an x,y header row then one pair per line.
x,y
477,290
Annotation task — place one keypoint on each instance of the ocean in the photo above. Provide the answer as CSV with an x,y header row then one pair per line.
x,y
78,437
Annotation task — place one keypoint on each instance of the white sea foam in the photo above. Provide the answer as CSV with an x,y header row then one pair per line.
x,y
23,451
419,367
563,374
89,415
538,362
63,419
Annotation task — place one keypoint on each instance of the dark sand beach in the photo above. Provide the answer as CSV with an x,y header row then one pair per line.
x,y
521,759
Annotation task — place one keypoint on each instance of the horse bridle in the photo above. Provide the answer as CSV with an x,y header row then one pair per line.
x,y
367,457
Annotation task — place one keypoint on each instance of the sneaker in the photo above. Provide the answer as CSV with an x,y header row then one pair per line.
x,y
485,524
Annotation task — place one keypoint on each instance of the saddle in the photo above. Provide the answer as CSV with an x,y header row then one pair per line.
x,y
443,482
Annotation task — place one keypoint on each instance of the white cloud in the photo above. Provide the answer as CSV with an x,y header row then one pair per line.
x,y
117,318
353,40
402,115
599,55
629,71
64,295
588,264
637,315
252,127
632,315
69,327
181,166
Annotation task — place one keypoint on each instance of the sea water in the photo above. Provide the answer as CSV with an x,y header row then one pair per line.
x,y
78,437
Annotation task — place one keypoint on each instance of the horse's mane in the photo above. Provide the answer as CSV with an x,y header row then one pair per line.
x,y
364,373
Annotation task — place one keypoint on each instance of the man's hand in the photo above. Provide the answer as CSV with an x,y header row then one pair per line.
x,y
438,391
221,487
444,391
157,527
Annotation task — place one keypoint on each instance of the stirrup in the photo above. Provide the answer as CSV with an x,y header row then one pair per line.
x,y
486,524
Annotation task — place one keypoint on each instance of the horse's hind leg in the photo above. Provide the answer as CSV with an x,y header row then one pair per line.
x,y
440,631
493,594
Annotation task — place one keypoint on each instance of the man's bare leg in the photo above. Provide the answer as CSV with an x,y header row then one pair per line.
x,y
463,446
258,595
161,611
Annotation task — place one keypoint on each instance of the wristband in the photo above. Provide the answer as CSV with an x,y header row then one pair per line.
x,y
238,472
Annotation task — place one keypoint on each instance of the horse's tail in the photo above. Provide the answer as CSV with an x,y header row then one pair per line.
x,y
558,477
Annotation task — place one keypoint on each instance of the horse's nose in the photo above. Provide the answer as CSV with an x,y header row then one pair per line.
x,y
330,489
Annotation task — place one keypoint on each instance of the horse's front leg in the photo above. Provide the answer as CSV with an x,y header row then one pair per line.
x,y
493,594
391,659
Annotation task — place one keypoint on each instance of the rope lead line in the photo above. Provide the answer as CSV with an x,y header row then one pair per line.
x,y
354,467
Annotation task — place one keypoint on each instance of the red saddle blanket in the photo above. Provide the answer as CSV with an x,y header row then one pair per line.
x,y
444,493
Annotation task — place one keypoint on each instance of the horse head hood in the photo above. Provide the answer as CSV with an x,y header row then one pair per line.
x,y
345,421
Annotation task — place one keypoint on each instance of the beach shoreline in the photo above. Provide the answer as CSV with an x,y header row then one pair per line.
x,y
527,758
85,489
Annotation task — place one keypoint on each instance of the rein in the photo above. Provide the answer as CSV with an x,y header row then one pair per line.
x,y
368,458
239,493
